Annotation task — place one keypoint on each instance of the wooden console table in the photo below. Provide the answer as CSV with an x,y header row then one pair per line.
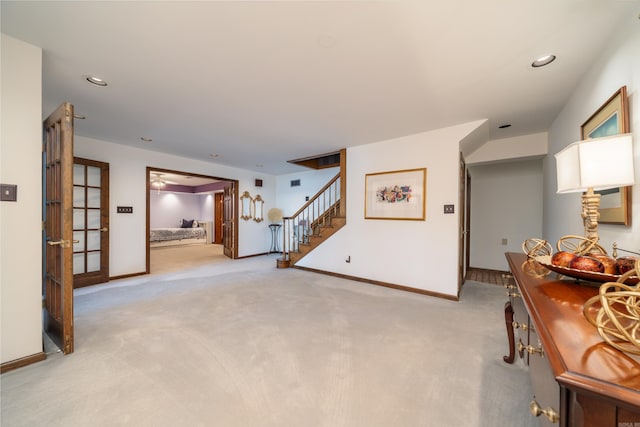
x,y
578,380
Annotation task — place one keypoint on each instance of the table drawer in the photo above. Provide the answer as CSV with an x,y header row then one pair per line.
x,y
521,325
545,403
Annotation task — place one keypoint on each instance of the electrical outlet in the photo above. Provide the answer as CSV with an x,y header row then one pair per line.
x,y
125,209
448,209
504,242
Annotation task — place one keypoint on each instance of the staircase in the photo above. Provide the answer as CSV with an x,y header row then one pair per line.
x,y
313,223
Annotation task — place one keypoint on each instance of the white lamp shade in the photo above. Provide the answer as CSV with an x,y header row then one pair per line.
x,y
598,163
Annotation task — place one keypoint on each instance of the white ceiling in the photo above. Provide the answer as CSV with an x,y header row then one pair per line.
x,y
263,82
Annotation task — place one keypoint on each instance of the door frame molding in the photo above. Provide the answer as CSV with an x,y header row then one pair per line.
x,y
148,207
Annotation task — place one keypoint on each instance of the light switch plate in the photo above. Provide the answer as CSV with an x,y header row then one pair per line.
x,y
8,193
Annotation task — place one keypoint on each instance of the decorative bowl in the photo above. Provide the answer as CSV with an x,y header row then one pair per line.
x,y
545,260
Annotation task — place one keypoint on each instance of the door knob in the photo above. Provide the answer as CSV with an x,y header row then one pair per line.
x,y
63,243
104,229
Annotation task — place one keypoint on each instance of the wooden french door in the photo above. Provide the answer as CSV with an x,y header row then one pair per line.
x,y
90,222
463,241
229,214
58,227
217,222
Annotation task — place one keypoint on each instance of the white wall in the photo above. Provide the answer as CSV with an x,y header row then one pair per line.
x,y
20,222
207,208
169,208
418,254
519,147
128,188
506,203
618,65
290,199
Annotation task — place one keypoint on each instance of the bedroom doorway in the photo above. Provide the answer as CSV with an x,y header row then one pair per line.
x,y
182,213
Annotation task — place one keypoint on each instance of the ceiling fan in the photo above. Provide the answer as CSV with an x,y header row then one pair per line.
x,y
158,182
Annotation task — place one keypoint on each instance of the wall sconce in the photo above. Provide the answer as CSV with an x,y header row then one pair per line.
x,y
592,165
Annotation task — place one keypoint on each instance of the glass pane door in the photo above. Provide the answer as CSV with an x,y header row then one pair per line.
x,y
90,222
86,218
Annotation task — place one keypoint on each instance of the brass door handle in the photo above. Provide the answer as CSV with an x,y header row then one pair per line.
x,y
550,413
104,229
63,243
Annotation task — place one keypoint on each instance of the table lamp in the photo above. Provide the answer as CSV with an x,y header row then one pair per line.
x,y
591,165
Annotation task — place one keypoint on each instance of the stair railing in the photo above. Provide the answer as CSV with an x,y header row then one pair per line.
x,y
308,220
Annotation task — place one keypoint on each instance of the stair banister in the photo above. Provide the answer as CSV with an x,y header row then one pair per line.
x,y
314,213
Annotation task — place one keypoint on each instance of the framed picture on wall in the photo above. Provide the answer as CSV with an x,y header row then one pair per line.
x,y
399,195
612,118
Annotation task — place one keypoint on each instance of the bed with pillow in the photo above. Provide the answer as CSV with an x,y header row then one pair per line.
x,y
189,229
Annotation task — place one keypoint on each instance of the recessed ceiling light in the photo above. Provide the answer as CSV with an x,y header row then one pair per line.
x,y
543,60
97,81
504,126
145,139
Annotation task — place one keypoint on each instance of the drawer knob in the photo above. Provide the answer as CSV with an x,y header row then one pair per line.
x,y
522,326
507,280
550,413
530,349
513,294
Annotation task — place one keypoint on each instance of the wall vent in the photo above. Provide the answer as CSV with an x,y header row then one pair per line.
x,y
321,161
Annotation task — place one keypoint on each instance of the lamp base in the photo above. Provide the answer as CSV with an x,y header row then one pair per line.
x,y
591,214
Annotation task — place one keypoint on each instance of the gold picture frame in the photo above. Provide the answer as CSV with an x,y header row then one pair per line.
x,y
399,195
612,118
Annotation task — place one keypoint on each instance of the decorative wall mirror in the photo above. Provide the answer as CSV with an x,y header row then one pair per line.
x,y
258,204
245,206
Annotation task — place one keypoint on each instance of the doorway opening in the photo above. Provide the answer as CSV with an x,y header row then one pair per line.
x,y
186,219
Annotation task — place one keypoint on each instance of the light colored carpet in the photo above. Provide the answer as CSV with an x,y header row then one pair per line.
x,y
165,259
242,343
